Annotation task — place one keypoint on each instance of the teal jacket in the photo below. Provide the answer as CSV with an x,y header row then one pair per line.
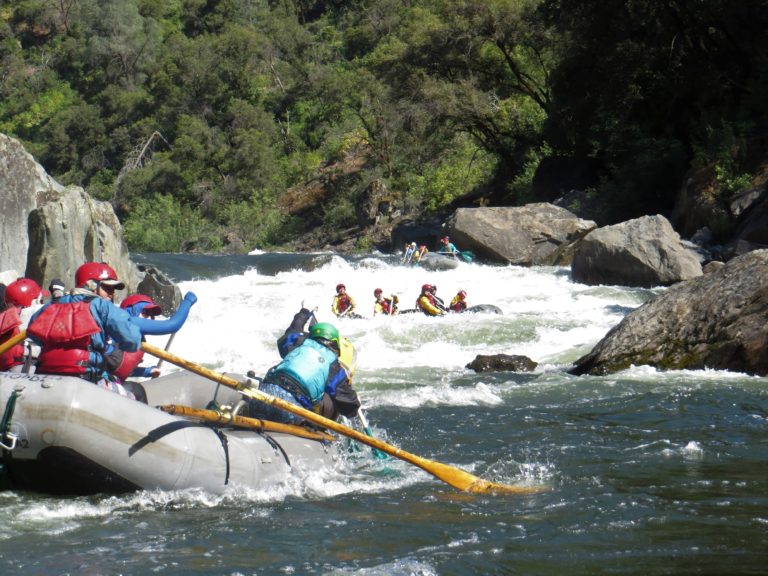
x,y
310,366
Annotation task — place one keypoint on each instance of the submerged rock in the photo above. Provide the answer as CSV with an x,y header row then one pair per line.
x,y
502,363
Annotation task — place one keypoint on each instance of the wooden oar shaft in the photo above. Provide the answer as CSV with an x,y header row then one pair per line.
x,y
11,342
244,422
456,477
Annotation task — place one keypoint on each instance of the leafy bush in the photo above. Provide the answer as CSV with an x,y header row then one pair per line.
x,y
161,224
461,170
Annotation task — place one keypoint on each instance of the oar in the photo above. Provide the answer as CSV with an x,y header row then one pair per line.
x,y
8,344
456,477
244,422
167,346
363,420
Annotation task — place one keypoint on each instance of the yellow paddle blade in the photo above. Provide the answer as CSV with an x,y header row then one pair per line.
x,y
455,477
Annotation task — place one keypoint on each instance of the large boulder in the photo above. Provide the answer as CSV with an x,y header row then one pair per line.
x,y
531,235
48,230
642,252
74,228
719,321
24,186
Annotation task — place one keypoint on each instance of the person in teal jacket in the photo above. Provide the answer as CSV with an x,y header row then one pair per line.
x,y
307,373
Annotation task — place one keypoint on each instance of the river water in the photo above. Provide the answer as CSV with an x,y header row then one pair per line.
x,y
645,472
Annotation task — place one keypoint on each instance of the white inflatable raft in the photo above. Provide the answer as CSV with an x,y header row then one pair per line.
x,y
68,436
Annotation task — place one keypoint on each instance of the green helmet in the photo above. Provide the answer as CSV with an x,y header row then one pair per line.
x,y
324,330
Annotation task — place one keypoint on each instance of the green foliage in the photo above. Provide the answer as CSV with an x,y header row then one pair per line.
x,y
339,214
161,224
257,224
439,98
520,186
462,169
37,111
730,183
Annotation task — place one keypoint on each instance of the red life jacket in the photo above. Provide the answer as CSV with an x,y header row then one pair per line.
x,y
386,306
429,297
64,330
9,327
130,361
344,302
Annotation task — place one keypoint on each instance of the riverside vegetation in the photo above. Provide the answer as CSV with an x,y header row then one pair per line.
x,y
203,121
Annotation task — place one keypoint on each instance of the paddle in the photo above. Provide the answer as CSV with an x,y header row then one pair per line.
x,y
217,417
11,342
349,364
167,346
456,477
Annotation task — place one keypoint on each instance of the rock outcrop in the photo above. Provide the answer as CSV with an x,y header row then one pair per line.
x,y
48,230
538,234
74,228
719,321
642,252
24,186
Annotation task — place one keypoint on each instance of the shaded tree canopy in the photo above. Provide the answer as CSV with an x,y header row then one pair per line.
x,y
200,116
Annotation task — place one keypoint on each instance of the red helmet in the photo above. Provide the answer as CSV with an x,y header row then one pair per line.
x,y
22,292
149,305
462,294
428,288
444,240
99,272
340,286
377,291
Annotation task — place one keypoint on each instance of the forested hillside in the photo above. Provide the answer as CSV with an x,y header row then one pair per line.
x,y
197,119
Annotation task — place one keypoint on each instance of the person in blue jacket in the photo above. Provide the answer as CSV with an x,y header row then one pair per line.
x,y
310,372
143,311
78,332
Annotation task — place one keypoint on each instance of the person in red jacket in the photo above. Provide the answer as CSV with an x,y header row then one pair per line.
x,y
81,332
343,304
382,305
22,298
459,302
428,302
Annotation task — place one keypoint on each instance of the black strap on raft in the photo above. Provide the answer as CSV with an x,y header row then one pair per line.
x,y
276,447
5,425
171,427
225,446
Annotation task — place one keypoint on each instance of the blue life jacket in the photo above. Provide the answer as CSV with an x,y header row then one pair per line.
x,y
309,365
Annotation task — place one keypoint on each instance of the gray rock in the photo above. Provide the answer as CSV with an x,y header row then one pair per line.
x,y
159,287
502,363
74,228
719,321
531,235
24,186
642,252
48,230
